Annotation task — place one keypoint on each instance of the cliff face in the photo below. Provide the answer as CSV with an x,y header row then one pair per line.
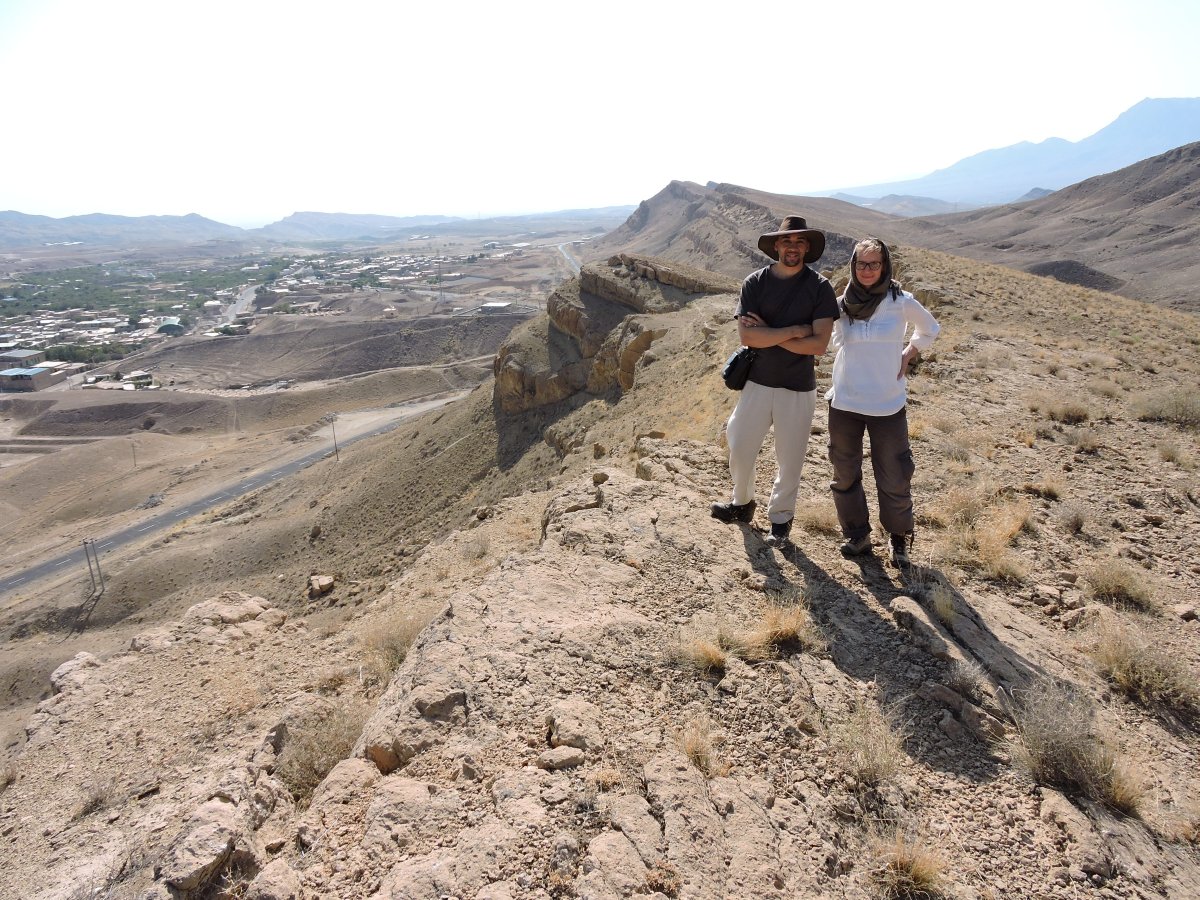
x,y
596,330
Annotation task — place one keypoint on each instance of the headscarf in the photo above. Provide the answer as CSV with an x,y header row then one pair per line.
x,y
857,300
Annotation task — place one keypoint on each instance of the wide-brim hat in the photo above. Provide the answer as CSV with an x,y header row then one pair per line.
x,y
794,225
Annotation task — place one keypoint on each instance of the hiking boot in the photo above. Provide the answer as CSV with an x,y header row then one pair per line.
x,y
857,546
734,512
779,533
900,547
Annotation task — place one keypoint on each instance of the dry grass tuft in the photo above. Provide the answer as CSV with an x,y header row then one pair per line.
x,y
968,679
1182,826
781,627
1048,489
1073,518
1119,584
1142,670
388,642
1104,387
1067,410
908,868
818,519
1179,406
703,654
962,504
1172,452
313,748
606,779
99,794
941,598
1084,440
698,745
476,547
984,545
664,878
1059,746
868,745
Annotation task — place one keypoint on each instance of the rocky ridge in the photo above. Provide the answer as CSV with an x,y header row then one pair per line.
x,y
534,741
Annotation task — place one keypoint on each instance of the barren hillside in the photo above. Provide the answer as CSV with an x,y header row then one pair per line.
x,y
1133,231
716,227
617,696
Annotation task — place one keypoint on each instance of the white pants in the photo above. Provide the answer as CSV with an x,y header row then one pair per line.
x,y
758,408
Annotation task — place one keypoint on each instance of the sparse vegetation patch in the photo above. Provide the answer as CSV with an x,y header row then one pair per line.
x,y
869,746
316,746
1179,406
1119,584
1141,669
1060,746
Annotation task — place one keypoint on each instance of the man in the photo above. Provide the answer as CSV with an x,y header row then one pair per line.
x,y
786,312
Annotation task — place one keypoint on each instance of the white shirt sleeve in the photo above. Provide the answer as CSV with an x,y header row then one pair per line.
x,y
925,326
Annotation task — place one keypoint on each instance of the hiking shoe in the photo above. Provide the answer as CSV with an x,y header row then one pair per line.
x,y
734,512
857,546
779,533
900,546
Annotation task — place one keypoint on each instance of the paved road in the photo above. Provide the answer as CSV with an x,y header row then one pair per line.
x,y
574,263
243,303
75,561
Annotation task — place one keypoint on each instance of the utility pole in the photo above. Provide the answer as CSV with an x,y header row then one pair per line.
x,y
97,577
336,457
133,447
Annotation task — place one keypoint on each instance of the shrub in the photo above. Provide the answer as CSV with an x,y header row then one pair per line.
x,y
314,747
1058,747
1170,451
1073,518
967,678
1142,670
1119,584
1179,406
388,642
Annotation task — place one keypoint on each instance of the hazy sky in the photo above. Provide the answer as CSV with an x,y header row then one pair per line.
x,y
247,110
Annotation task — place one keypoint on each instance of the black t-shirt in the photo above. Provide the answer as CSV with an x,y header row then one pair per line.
x,y
786,301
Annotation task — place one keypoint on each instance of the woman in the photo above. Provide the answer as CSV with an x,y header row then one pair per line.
x,y
869,394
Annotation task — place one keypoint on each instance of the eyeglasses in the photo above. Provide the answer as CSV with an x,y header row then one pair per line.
x,y
868,266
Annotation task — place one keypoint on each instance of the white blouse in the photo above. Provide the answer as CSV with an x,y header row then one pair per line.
x,y
869,353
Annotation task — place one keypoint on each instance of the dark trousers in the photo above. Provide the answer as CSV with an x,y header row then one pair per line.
x,y
892,460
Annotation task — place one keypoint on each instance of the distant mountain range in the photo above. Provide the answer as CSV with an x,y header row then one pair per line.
x,y
100,230
1134,231
1009,173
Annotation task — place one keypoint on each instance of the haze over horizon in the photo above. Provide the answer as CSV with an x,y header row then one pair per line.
x,y
247,113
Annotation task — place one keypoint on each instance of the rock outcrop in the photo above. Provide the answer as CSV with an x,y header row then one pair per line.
x,y
591,338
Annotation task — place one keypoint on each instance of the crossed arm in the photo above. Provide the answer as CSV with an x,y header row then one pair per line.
x,y
802,339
